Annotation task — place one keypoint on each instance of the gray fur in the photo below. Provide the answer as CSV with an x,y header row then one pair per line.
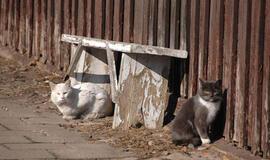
x,y
196,114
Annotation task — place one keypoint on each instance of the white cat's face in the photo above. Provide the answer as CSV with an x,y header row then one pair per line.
x,y
60,93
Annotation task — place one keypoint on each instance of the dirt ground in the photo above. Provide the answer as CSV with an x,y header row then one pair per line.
x,y
29,85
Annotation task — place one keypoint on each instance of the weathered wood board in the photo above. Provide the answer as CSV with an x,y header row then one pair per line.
x,y
142,91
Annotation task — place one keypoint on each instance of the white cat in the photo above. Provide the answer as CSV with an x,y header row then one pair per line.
x,y
85,100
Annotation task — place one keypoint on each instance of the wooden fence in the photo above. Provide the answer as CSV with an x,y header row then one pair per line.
x,y
226,40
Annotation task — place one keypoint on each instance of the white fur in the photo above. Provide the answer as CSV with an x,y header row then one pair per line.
x,y
86,100
212,108
205,141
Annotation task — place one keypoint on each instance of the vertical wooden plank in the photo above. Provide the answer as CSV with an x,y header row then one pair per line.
x,y
117,20
89,18
194,44
153,9
203,39
99,19
266,86
4,21
183,42
49,33
22,29
113,78
36,30
163,23
1,18
229,63
16,30
242,75
10,23
74,20
29,27
65,47
128,63
138,21
174,78
174,24
255,89
109,20
215,40
128,21
81,26
43,30
146,13
57,34
74,17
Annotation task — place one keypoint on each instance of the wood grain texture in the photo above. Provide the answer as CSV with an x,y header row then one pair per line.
x,y
22,28
36,29
66,20
128,21
255,83
183,45
57,34
265,145
117,20
215,40
99,19
49,32
193,49
16,30
229,64
109,20
10,23
29,27
4,21
43,30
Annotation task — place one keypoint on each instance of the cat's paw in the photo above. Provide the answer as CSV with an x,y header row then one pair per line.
x,y
205,140
69,117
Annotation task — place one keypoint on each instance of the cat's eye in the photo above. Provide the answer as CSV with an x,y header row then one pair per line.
x,y
65,93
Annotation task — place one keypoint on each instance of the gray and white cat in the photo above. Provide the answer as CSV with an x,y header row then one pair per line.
x,y
191,123
85,100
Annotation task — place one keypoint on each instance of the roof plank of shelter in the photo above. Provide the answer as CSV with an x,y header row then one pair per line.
x,y
124,47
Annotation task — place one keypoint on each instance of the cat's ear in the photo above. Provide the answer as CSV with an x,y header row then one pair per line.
x,y
219,83
68,83
52,85
201,81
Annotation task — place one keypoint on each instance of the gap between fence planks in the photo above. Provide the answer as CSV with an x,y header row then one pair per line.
x,y
124,47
